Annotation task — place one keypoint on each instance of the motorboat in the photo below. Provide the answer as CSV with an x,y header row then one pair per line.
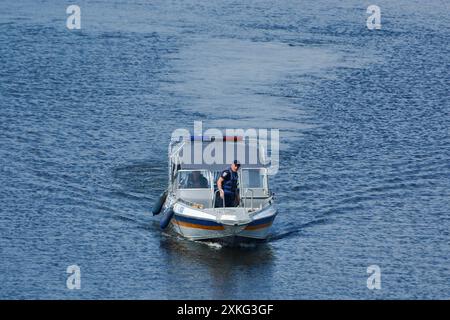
x,y
191,205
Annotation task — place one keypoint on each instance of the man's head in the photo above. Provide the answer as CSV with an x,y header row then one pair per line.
x,y
235,166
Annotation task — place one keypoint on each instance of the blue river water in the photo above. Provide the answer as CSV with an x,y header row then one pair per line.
x,y
86,116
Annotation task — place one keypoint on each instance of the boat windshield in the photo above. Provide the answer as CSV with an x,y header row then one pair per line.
x,y
253,178
193,179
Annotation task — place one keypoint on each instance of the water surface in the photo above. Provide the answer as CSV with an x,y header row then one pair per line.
x,y
86,116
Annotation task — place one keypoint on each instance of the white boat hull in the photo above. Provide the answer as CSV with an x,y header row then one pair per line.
x,y
199,225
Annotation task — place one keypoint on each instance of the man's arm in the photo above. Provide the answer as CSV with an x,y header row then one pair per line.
x,y
219,187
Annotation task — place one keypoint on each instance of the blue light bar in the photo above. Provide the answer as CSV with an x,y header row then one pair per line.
x,y
209,139
201,138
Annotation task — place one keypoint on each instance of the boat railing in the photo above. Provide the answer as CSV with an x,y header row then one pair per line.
x,y
223,200
245,199
251,199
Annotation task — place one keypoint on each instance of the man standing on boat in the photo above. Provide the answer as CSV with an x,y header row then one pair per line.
x,y
227,185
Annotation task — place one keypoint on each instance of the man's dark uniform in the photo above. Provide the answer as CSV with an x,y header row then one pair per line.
x,y
229,186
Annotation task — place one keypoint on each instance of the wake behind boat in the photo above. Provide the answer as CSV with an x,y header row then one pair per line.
x,y
192,206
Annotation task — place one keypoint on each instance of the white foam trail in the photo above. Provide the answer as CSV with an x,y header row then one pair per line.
x,y
213,245
240,83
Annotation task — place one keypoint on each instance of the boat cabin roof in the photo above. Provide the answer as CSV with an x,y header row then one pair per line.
x,y
217,155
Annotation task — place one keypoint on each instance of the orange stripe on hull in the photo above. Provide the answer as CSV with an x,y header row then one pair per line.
x,y
259,226
197,226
